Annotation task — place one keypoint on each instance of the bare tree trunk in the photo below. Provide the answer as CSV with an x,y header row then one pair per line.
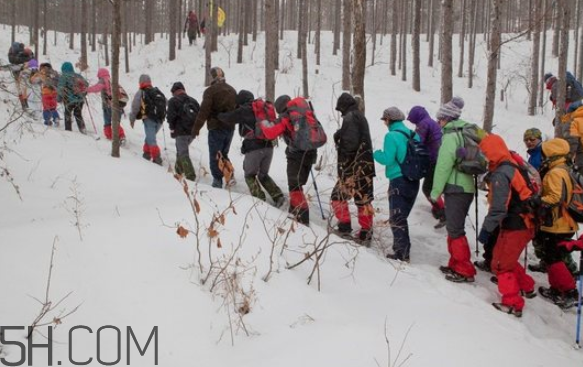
x,y
534,72
241,31
36,26
72,33
254,21
492,65
337,22
394,31
558,20
12,22
275,39
115,47
127,43
148,15
432,32
543,52
319,29
83,58
358,68
93,25
208,45
374,4
576,38
579,71
270,41
281,17
446,50
346,43
45,27
304,46
460,71
416,45
173,19
301,25
178,22
563,9
106,44
472,45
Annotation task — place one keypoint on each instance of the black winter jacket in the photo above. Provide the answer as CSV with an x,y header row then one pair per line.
x,y
353,141
245,117
175,115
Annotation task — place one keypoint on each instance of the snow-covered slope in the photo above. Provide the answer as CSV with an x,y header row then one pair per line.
x,y
113,223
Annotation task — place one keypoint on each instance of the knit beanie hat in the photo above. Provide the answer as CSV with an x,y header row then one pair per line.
x,y
144,78
176,86
452,110
393,114
533,133
281,103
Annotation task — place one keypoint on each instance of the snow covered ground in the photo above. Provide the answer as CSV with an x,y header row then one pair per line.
x,y
113,223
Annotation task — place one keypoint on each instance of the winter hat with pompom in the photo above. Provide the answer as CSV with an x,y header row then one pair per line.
x,y
452,110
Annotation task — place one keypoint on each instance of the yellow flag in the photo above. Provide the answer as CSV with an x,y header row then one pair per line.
x,y
220,17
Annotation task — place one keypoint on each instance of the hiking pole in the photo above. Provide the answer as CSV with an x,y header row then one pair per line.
x,y
97,137
578,331
476,206
317,194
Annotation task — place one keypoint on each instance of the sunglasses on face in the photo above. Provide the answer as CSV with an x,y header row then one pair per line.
x,y
530,140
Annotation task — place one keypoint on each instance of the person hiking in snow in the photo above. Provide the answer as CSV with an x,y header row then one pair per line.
x,y
257,149
181,114
458,191
49,80
103,86
299,162
509,211
191,26
355,169
217,98
533,141
402,191
557,224
19,56
430,133
149,105
72,89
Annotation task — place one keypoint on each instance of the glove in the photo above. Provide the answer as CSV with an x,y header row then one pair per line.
x,y
572,245
484,236
173,134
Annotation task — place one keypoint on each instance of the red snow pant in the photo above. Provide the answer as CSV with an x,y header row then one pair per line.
x,y
460,257
512,279
109,133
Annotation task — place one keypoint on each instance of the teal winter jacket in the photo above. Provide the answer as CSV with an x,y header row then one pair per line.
x,y
394,149
67,89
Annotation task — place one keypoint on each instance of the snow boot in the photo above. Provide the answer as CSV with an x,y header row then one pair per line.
x,y
507,309
184,167
458,278
273,190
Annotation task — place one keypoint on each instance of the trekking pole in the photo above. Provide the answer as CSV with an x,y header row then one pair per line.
x,y
317,194
476,206
578,331
97,137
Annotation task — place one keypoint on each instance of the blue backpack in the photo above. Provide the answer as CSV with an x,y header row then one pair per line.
x,y
416,164
574,88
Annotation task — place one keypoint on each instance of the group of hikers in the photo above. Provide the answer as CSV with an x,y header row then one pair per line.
x,y
528,200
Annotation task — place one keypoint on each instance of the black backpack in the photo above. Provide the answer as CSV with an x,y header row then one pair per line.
x,y
190,110
154,103
416,164
574,88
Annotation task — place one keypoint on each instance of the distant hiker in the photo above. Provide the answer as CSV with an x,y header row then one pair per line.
x,y
49,80
509,210
458,190
355,169
149,105
191,25
301,151
557,223
573,92
217,98
103,86
430,133
182,112
18,56
533,140
402,191
72,90
258,150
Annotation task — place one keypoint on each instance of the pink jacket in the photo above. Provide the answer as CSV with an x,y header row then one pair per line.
x,y
104,83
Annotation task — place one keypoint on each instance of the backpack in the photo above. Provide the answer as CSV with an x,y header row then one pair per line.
x,y
154,103
415,165
469,157
575,205
190,110
122,96
528,172
574,88
79,85
307,132
264,115
17,54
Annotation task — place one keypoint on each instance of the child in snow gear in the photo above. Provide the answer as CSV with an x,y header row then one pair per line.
x,y
402,191
557,223
299,162
49,80
355,170
191,25
509,210
149,105
251,114
458,190
182,112
430,133
217,98
103,86
71,92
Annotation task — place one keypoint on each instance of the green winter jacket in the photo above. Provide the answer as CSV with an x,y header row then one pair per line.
x,y
394,149
447,179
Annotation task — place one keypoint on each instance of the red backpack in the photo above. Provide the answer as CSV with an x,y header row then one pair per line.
x,y
264,115
307,132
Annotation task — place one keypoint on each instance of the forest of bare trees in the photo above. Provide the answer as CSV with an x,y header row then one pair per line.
x,y
114,27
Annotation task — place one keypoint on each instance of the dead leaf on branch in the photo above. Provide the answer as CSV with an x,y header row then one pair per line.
x,y
212,233
219,244
182,232
280,230
222,219
57,321
196,206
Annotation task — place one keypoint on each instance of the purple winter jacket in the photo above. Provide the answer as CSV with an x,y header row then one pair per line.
x,y
428,130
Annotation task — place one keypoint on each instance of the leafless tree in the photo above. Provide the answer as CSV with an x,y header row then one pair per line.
x,y
359,64
346,43
563,8
416,45
115,48
534,58
270,43
493,55
337,22
83,58
173,19
446,50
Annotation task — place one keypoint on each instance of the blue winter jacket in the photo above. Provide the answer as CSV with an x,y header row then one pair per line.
x,y
394,150
535,157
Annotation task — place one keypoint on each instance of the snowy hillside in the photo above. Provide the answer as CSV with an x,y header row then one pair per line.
x,y
230,293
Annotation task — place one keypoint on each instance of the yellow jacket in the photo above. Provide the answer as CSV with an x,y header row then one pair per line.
x,y
553,183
